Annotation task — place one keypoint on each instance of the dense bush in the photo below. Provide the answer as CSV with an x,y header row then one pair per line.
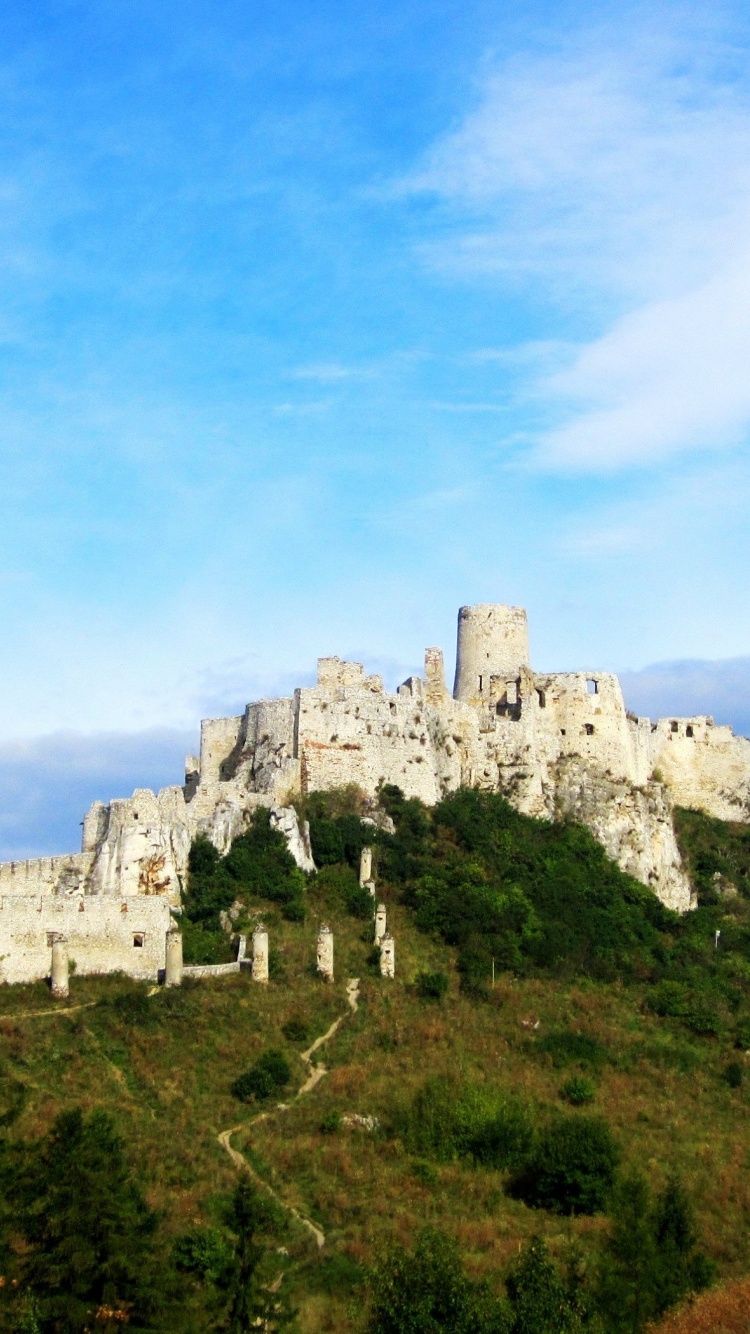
x,y
426,1291
268,1075
733,1074
447,1120
569,1047
431,986
532,897
296,1029
717,853
258,864
340,887
205,1252
578,1090
572,1168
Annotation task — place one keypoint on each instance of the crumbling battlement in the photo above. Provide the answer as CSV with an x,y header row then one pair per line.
x,y
558,744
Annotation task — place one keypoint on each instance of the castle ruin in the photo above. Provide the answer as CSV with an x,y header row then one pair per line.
x,y
558,745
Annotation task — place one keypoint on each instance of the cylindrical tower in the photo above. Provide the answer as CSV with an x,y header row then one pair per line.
x,y
493,640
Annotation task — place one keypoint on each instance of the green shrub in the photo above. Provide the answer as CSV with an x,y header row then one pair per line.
x,y
360,903
570,1048
448,1120
431,986
424,1173
578,1090
733,1074
132,1008
205,1252
742,1035
426,1291
204,943
541,1302
296,1029
258,863
572,1169
270,1073
331,1123
294,910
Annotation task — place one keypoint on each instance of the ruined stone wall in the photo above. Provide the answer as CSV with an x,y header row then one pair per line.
x,y
557,744
46,875
143,846
352,732
101,935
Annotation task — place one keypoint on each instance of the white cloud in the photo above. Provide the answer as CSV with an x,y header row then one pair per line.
x,y
616,178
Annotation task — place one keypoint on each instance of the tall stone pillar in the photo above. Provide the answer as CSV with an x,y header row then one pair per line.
x,y
60,986
387,956
173,970
365,866
260,954
325,953
380,927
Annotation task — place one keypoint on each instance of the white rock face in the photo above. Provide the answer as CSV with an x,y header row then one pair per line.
x,y
284,818
556,744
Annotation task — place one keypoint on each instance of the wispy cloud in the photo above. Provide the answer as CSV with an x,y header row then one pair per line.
x,y
615,177
331,372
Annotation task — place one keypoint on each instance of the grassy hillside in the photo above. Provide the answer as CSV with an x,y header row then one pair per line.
x,y
593,982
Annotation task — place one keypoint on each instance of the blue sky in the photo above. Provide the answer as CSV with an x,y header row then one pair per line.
x,y
319,320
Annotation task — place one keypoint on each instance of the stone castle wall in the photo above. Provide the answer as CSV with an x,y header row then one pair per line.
x,y
557,744
104,935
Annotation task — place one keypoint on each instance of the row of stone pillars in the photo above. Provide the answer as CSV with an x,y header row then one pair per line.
x,y
383,939
174,970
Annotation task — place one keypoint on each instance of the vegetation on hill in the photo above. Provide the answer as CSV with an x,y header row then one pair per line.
x,y
476,1155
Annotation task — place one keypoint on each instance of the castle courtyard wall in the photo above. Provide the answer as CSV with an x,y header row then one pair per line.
x,y
102,935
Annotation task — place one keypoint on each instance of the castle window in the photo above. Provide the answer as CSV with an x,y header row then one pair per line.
x,y
688,730
562,731
481,684
675,727
542,699
393,709
588,729
138,940
592,686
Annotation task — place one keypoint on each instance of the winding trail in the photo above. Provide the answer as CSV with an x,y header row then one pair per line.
x,y
316,1073
41,1014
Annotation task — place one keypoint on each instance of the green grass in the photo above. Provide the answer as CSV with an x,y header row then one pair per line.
x,y
166,1078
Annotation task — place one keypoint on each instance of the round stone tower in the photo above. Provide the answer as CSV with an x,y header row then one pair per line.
x,y
493,640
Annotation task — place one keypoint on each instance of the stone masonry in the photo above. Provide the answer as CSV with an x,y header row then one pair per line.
x,y
558,745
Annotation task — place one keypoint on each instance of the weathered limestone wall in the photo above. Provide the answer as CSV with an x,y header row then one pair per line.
x,y
557,744
705,767
144,845
46,875
101,935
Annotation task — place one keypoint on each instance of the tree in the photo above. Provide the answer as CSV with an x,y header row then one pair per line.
x,y
85,1227
251,1305
651,1260
572,1169
542,1304
426,1292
